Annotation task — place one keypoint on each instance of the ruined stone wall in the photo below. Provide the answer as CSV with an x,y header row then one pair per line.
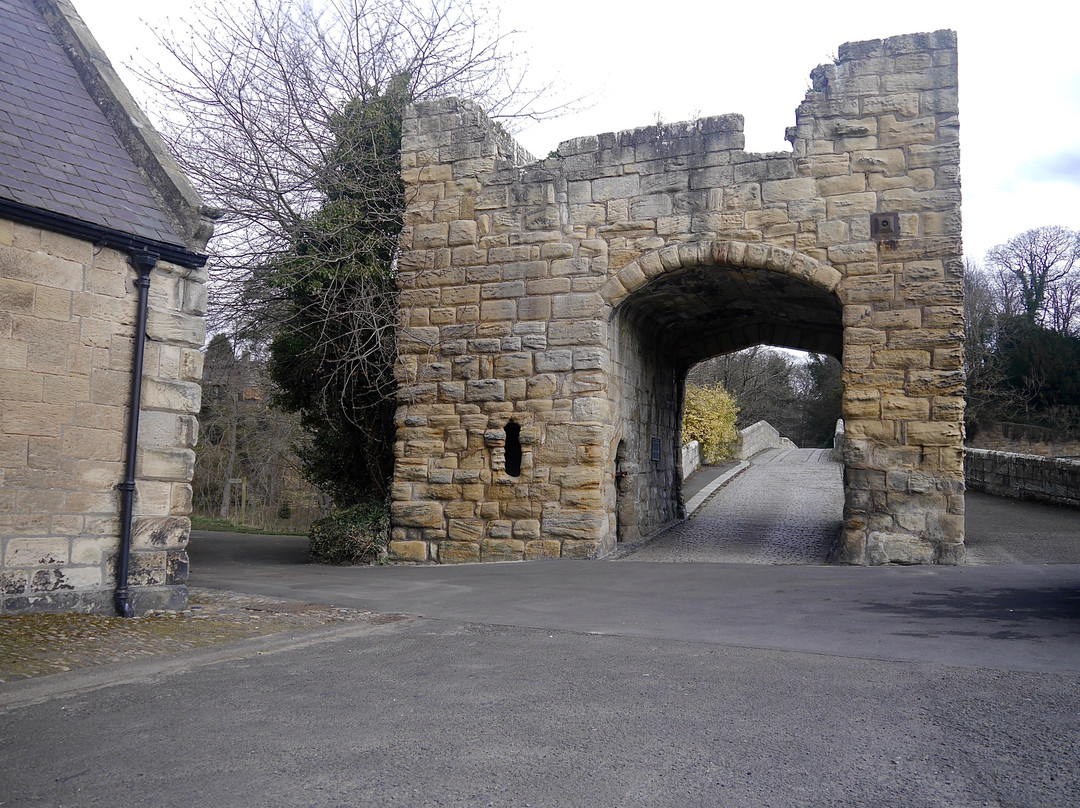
x,y
66,338
1025,440
571,295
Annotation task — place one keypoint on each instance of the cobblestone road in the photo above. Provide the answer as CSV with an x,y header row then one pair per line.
x,y
785,509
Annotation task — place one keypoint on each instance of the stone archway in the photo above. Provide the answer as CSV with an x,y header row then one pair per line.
x,y
676,307
527,286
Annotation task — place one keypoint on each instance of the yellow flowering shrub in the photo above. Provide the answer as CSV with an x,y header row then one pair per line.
x,y
709,418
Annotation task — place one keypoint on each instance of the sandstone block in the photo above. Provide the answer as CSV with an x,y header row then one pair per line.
x,y
898,406
86,551
527,529
514,365
573,548
417,514
485,390
176,396
408,550
68,578
502,550
933,433
466,530
606,188
454,552
36,552
461,233
175,327
546,548
579,526
159,463
890,358
163,532
898,548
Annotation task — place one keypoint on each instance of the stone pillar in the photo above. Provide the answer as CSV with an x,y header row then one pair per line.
x,y
888,111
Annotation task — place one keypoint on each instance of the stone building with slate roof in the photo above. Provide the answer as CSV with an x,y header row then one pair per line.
x,y
101,254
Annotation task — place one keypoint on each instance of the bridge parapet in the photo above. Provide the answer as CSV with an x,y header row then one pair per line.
x,y
1045,479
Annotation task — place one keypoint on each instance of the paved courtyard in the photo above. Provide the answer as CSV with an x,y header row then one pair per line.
x,y
584,683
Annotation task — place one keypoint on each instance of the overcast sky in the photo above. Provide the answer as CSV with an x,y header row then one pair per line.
x,y
677,59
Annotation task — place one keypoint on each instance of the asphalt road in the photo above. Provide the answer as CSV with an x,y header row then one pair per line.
x,y
593,684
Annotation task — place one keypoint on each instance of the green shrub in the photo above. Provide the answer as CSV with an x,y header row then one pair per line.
x,y
709,416
355,535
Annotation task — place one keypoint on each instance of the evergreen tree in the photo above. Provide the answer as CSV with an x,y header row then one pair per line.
x,y
332,357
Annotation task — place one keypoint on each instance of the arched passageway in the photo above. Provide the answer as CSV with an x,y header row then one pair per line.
x,y
687,314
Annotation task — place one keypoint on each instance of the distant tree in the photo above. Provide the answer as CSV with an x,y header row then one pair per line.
x,y
1063,304
1037,273
760,379
820,400
1042,366
338,294
243,437
988,395
799,397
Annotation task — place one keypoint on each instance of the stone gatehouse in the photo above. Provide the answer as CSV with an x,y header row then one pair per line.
x,y
552,308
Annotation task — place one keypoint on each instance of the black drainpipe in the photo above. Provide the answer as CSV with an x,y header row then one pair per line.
x,y
144,262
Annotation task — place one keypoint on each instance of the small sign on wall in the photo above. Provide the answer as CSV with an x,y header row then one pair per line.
x,y
656,449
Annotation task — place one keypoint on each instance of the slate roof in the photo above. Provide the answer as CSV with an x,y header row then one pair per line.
x,y
58,151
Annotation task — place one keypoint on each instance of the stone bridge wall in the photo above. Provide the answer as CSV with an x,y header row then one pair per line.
x,y
1004,474
759,437
550,310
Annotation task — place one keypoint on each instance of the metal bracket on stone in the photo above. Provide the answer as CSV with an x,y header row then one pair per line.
x,y
885,226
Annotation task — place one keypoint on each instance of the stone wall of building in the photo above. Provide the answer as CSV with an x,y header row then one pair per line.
x,y
67,314
569,297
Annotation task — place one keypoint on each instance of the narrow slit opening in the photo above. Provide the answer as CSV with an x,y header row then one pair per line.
x,y
513,449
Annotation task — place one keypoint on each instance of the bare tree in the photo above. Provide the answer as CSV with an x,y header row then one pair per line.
x,y
986,313
1063,304
250,103
243,436
1037,272
798,397
287,116
760,379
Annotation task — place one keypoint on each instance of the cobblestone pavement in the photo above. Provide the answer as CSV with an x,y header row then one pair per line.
x,y
39,644
785,509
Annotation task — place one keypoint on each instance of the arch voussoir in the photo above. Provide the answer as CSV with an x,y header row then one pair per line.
x,y
721,253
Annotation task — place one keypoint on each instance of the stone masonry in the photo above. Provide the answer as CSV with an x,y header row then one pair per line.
x,y
551,310
66,339
85,186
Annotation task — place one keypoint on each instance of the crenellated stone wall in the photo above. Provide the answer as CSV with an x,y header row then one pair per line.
x,y
566,299
67,328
